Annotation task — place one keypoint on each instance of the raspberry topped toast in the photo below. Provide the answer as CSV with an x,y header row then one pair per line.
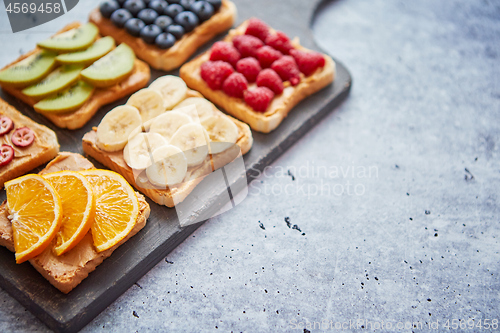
x,y
258,74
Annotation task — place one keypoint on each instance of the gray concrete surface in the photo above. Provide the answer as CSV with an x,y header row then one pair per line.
x,y
411,236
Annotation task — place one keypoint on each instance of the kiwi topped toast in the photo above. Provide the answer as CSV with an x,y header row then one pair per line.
x,y
166,139
69,76
166,34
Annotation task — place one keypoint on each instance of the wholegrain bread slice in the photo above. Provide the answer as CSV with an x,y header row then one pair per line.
x,y
175,194
65,272
43,149
181,51
136,80
280,106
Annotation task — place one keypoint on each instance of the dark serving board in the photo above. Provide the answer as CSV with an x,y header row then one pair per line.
x,y
163,233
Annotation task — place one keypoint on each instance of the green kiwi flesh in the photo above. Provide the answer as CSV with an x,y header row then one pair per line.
x,y
29,70
56,81
72,40
67,100
97,50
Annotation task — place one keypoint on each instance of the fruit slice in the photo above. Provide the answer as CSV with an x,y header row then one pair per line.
x,y
72,40
6,154
100,48
114,130
29,70
173,89
204,108
78,205
112,68
168,123
137,152
169,167
222,132
56,81
6,125
23,137
67,100
192,139
117,208
35,211
149,103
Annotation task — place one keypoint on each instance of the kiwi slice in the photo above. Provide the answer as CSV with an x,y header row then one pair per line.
x,y
29,70
67,100
97,50
72,40
56,81
112,68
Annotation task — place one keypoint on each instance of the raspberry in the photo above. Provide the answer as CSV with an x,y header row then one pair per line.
x,y
225,52
267,55
215,72
257,28
235,85
247,45
259,98
308,62
270,79
287,69
249,67
280,42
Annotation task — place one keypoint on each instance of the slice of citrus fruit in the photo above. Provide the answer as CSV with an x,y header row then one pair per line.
x,y
78,204
117,208
36,213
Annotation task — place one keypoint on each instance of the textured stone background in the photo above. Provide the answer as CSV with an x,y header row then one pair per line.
x,y
418,242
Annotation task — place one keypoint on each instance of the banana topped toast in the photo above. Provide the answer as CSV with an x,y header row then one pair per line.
x,y
164,34
258,74
166,139
69,76
66,268
24,144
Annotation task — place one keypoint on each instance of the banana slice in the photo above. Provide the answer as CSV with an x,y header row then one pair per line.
x,y
222,132
204,108
114,130
169,167
137,152
173,89
193,140
149,102
168,123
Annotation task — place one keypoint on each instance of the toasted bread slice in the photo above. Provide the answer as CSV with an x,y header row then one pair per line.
x,y
65,272
281,104
72,120
182,50
175,194
43,149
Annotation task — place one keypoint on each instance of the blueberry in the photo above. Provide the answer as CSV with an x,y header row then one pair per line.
x,y
187,4
188,20
215,3
176,30
158,6
134,26
121,2
108,7
163,22
173,10
134,6
148,15
150,32
165,40
120,16
203,10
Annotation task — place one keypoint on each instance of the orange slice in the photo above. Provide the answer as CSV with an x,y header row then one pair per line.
x,y
36,213
117,208
78,204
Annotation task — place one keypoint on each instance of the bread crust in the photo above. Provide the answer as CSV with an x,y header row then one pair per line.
x,y
183,49
169,197
136,80
65,272
280,106
44,148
